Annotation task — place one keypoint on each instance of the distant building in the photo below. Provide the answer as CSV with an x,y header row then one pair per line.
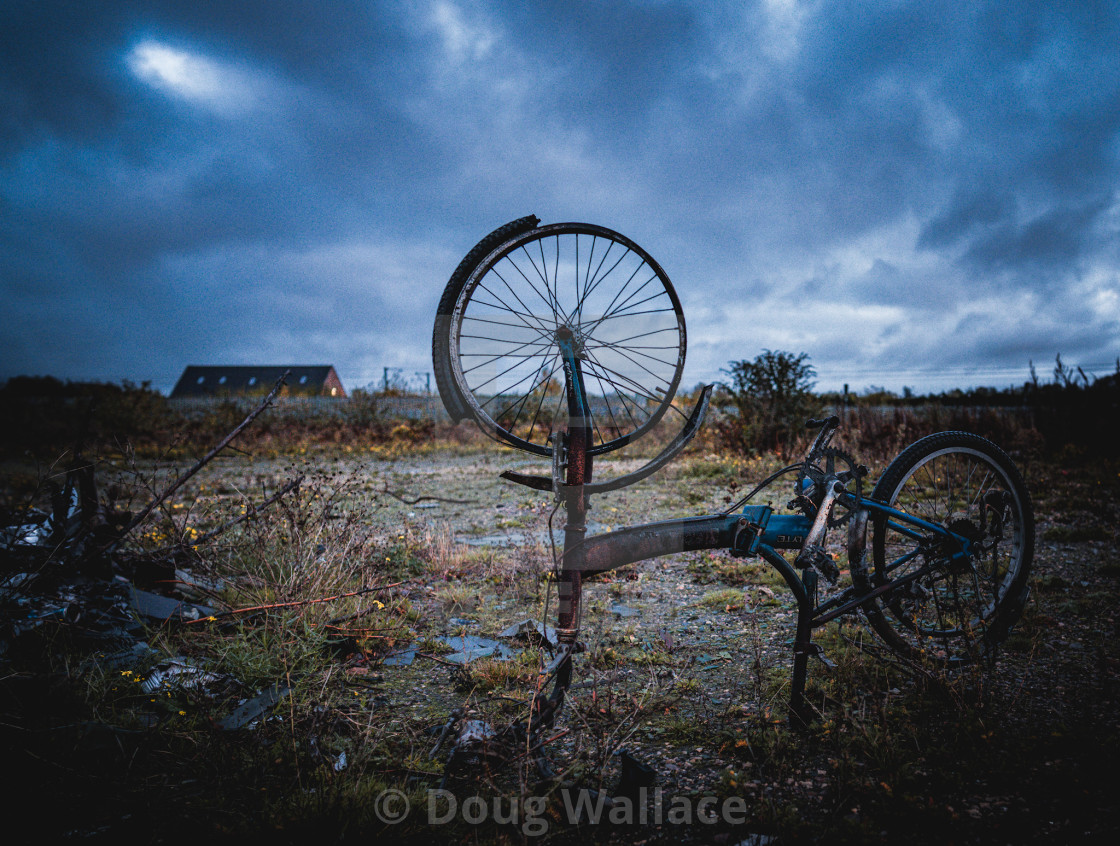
x,y
198,381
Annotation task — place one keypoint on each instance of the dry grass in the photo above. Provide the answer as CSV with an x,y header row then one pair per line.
x,y
319,591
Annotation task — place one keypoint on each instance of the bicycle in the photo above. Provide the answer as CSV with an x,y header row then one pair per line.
x,y
568,341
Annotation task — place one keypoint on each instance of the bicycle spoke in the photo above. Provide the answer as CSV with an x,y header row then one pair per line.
x,y
493,358
637,351
544,395
606,402
493,322
587,291
612,312
543,326
618,294
637,387
549,301
524,397
477,388
519,314
641,366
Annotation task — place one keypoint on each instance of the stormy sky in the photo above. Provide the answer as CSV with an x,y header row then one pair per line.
x,y
919,194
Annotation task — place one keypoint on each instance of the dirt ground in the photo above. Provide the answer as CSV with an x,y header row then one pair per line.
x,y
686,669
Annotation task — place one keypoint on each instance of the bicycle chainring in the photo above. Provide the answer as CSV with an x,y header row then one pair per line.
x,y
833,462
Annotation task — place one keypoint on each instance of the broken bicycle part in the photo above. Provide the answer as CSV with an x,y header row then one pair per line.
x,y
500,343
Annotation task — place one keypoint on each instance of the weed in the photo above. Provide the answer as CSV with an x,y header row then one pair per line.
x,y
729,599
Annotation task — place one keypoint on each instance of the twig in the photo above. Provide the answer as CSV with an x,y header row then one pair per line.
x,y
295,603
252,511
542,744
431,657
349,617
362,633
409,501
202,462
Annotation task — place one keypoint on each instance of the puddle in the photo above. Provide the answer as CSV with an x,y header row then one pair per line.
x,y
471,647
403,658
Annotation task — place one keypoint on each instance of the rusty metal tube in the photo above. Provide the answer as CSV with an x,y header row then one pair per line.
x,y
605,552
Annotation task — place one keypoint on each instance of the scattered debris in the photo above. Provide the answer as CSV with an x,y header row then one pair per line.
x,y
191,583
705,661
252,709
634,776
179,673
403,658
163,608
532,631
756,839
128,657
472,646
16,581
35,533
500,540
408,500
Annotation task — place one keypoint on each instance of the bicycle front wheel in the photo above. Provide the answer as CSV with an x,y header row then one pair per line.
x,y
958,611
621,309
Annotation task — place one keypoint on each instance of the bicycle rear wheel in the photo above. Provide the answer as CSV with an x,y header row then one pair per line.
x,y
959,611
623,313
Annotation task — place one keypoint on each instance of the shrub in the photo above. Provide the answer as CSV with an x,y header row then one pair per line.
x,y
767,402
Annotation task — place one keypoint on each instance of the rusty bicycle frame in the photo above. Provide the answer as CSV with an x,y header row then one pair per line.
x,y
824,496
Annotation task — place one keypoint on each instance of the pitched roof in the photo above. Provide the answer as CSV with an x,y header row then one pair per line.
x,y
219,380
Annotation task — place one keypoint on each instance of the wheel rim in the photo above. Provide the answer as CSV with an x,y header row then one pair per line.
x,y
949,611
624,316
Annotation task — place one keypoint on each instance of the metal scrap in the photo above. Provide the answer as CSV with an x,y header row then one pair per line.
x,y
471,647
533,631
179,673
250,710
163,608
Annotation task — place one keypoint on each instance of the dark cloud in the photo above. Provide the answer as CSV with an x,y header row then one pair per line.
x,y
888,187
964,215
1056,238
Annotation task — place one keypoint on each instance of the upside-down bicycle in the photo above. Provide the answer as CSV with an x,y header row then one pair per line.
x,y
567,341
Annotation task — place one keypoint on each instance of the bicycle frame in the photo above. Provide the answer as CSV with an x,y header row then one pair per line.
x,y
756,531
484,324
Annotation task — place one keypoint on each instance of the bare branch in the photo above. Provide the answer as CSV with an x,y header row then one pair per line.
x,y
295,603
410,501
251,511
202,462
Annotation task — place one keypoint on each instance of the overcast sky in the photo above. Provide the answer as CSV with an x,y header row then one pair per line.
x,y
918,194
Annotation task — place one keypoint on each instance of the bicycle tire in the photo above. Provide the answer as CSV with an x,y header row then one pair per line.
x,y
453,401
956,614
621,308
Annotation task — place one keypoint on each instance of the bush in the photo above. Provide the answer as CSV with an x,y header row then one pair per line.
x,y
42,412
767,402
